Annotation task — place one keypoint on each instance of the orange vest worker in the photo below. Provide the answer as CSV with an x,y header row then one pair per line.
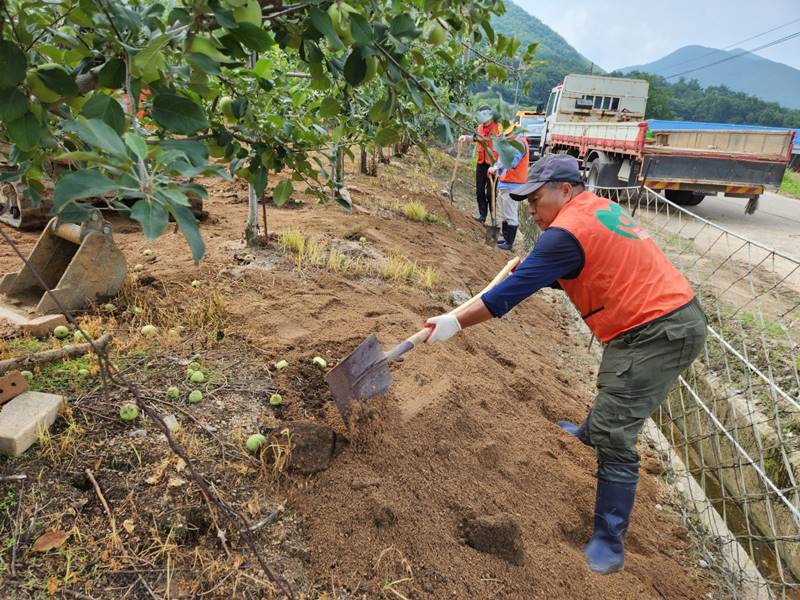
x,y
626,279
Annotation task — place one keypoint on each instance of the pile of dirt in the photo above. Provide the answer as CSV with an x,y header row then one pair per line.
x,y
465,434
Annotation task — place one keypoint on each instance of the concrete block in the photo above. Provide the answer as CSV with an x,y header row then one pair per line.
x,y
22,418
38,326
44,325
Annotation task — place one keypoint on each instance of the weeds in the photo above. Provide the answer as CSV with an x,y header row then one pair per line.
x,y
400,269
791,183
416,211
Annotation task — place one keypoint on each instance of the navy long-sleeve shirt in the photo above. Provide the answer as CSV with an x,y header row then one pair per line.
x,y
556,255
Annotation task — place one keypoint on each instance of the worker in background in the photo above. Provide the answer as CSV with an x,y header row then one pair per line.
x,y
632,299
488,128
511,179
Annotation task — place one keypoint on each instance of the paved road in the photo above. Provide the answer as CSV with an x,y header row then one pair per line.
x,y
776,223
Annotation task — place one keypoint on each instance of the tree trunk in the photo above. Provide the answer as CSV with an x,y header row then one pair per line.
x,y
363,166
251,228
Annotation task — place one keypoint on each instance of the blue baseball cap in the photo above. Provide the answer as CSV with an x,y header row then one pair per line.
x,y
551,167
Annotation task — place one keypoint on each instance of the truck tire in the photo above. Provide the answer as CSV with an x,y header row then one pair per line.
x,y
684,197
603,173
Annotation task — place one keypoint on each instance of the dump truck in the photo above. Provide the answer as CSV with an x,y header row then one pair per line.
x,y
600,121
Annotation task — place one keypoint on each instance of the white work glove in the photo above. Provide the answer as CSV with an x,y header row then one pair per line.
x,y
465,138
444,327
493,170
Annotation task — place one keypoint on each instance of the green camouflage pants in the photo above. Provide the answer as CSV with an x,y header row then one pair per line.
x,y
635,375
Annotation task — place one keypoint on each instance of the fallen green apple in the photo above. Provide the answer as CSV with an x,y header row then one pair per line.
x,y
197,377
149,330
276,400
255,441
320,362
195,396
281,364
128,412
173,392
61,332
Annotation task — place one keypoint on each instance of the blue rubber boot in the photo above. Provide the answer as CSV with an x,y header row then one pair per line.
x,y
605,552
579,431
509,233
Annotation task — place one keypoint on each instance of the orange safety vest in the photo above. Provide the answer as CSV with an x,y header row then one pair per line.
x,y
490,129
626,280
518,174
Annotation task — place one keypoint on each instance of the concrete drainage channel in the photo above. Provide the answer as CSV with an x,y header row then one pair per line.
x,y
729,433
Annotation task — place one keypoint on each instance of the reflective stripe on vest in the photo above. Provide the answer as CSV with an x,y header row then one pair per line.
x,y
491,129
518,174
626,279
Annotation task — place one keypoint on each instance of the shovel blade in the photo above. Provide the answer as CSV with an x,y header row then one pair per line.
x,y
363,374
492,233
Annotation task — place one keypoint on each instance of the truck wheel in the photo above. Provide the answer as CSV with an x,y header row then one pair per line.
x,y
684,197
603,174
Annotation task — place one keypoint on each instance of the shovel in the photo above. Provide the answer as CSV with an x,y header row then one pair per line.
x,y
493,231
364,372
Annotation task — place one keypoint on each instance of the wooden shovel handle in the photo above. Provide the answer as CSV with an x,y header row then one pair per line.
x,y
422,334
505,272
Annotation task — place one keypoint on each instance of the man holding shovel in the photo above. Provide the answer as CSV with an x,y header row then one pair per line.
x,y
488,128
633,300
511,179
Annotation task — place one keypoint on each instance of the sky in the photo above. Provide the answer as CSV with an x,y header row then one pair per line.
x,y
621,33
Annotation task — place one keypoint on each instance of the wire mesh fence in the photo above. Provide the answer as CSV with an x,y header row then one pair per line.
x,y
734,417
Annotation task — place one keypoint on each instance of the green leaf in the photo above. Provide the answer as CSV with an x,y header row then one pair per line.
x,y
195,152
97,134
178,114
343,201
282,192
74,213
152,216
24,131
190,229
263,68
239,107
403,26
505,152
107,109
137,144
329,107
86,183
14,64
322,23
387,136
112,74
361,30
173,196
258,178
312,52
58,80
442,130
224,17
149,61
355,68
82,156
253,36
204,63
13,104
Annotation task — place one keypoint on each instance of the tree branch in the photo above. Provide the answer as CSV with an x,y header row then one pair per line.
x,y
425,90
